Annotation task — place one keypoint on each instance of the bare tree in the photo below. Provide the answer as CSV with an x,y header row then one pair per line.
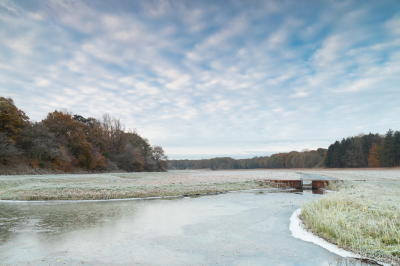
x,y
7,148
114,129
39,143
160,159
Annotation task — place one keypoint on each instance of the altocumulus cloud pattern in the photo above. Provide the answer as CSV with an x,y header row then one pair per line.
x,y
209,78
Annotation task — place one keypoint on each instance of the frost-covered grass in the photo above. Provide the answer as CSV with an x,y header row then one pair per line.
x,y
131,185
368,174
363,217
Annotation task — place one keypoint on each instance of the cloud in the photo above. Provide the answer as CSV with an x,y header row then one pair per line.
x,y
179,71
41,82
36,16
299,94
392,25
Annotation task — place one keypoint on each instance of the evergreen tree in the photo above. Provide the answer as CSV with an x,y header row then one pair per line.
x,y
387,151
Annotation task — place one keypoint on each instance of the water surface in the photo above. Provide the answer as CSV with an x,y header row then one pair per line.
x,y
238,228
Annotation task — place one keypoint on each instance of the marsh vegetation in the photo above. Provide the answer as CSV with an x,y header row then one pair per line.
x,y
131,185
363,217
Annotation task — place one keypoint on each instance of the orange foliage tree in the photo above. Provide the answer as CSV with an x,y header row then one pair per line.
x,y
99,162
63,162
72,132
373,158
11,118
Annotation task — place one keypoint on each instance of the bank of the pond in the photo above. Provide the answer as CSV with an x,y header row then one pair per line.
x,y
174,183
114,192
362,217
119,186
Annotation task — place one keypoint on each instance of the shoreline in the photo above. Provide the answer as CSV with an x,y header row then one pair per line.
x,y
131,185
298,231
154,184
272,190
315,169
361,217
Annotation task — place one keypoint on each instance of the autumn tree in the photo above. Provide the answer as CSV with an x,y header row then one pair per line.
x,y
95,133
71,132
306,158
11,122
63,141
373,158
11,118
295,162
283,160
289,158
99,162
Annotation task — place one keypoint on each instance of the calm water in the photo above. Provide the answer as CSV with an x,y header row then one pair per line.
x,y
240,228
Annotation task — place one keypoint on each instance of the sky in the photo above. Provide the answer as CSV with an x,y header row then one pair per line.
x,y
205,78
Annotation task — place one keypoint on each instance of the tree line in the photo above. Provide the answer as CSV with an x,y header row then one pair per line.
x,y
372,150
67,142
293,159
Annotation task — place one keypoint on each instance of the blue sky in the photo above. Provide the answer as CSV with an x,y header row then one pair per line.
x,y
209,78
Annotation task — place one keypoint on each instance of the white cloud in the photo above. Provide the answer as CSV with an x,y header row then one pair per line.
x,y
21,45
277,39
179,72
393,25
42,82
36,16
299,94
144,88
88,90
361,84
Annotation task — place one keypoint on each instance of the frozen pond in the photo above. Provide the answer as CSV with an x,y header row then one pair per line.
x,y
238,228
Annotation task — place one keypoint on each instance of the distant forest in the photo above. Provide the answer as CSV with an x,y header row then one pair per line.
x,y
372,150
294,159
63,142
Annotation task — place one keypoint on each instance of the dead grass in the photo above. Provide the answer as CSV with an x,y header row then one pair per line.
x,y
368,174
126,185
363,217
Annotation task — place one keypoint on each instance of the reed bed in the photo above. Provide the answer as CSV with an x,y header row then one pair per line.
x,y
363,217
